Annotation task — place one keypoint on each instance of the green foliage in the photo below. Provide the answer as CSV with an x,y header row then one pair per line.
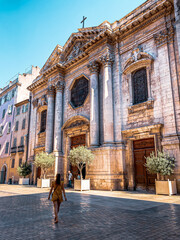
x,y
44,161
81,157
162,163
24,169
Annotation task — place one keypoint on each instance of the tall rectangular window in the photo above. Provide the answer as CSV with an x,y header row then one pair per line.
x,y
18,109
24,123
15,142
23,108
9,127
7,147
13,163
139,83
43,120
26,107
17,126
22,141
5,98
20,162
10,108
1,130
4,112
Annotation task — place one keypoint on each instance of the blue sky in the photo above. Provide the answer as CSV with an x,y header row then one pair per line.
x,y
30,29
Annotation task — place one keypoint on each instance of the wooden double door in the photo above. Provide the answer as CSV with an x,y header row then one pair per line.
x,y
76,141
142,149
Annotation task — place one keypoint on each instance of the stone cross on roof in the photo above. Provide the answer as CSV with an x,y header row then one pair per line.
x,y
84,18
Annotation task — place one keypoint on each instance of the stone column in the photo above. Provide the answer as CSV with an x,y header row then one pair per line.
x,y
108,128
94,105
58,123
50,120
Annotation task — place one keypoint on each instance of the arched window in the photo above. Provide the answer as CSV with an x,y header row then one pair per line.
x,y
139,86
43,120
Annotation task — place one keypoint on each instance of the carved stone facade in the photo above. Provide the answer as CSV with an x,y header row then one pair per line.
x,y
111,117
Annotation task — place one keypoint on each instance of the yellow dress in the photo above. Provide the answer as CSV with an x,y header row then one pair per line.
x,y
57,194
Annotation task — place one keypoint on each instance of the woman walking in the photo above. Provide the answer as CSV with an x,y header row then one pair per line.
x,y
57,197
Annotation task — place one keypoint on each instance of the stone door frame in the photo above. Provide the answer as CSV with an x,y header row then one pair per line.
x,y
75,126
152,131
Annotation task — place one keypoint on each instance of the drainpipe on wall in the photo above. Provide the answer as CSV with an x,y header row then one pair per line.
x,y
27,139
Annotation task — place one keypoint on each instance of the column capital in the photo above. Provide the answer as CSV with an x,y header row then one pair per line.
x,y
59,86
35,102
107,59
50,90
93,67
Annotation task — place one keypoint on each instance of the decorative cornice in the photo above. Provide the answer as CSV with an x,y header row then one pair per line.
x,y
138,18
164,36
107,59
40,80
93,67
59,86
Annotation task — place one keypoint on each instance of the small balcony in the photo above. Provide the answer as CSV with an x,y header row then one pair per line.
x,y
21,148
13,150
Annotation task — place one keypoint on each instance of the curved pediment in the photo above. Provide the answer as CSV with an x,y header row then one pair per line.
x,y
75,121
138,58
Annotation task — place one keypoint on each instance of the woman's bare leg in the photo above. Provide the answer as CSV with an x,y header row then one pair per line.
x,y
59,204
56,211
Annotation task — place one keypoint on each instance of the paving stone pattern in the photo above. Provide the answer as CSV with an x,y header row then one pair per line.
x,y
87,217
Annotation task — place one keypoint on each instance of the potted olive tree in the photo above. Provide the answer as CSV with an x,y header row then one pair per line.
x,y
81,157
44,161
163,165
24,170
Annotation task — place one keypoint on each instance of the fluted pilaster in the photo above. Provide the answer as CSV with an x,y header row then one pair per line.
x,y
108,128
58,123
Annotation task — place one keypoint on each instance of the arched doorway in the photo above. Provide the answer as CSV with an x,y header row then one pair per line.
x,y
76,133
3,175
76,141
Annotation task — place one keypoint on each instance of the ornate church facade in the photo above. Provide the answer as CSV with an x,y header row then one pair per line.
x,y
115,89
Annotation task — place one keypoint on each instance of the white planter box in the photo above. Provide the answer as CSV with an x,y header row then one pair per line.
x,y
24,181
166,187
43,183
82,185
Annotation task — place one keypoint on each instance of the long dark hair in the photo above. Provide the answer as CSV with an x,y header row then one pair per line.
x,y
58,178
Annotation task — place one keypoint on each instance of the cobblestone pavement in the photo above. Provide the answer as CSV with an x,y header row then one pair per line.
x,y
87,216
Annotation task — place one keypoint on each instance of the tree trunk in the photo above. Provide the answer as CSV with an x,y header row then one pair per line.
x,y
158,176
